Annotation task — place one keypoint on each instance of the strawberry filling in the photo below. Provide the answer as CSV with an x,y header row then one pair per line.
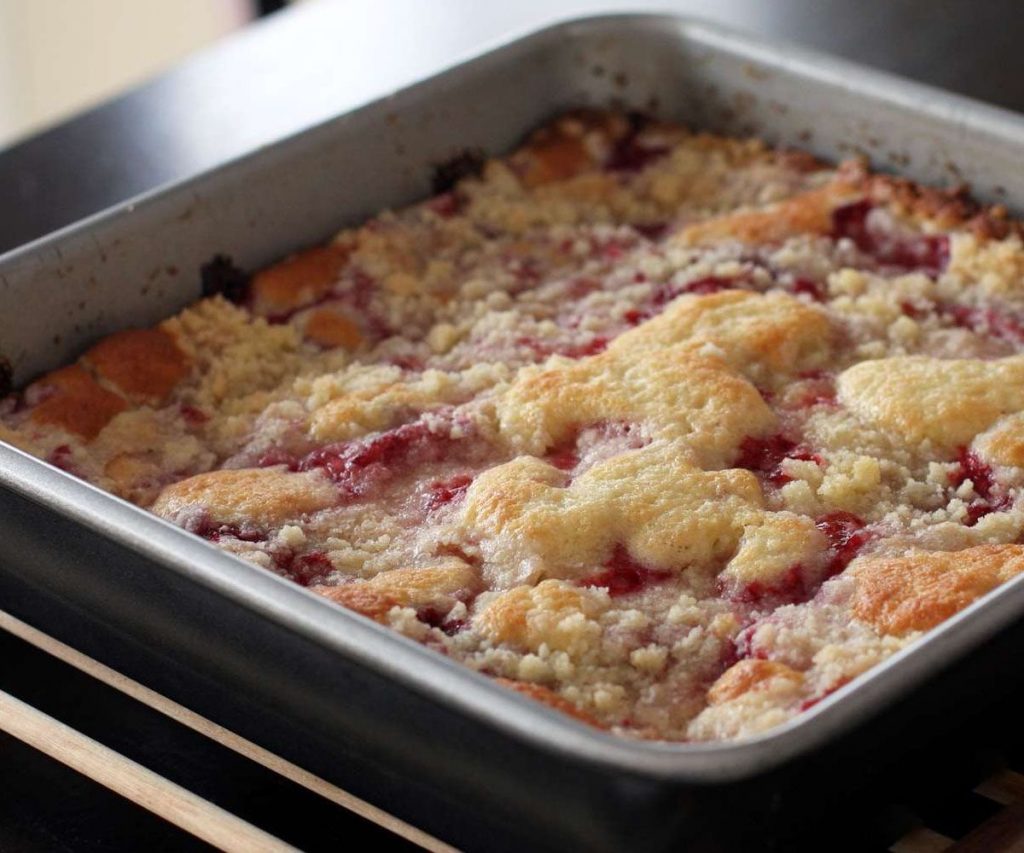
x,y
214,531
446,492
622,575
990,497
437,618
791,588
357,467
764,455
632,154
986,321
927,253
445,205
193,416
652,231
595,442
819,389
846,535
809,288
305,569
543,349
564,457
710,284
60,457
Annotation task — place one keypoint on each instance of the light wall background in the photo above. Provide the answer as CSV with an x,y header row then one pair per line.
x,y
58,57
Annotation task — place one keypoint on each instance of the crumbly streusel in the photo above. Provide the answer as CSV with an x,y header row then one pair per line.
x,y
675,432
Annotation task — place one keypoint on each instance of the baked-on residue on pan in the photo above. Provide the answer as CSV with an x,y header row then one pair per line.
x,y
675,432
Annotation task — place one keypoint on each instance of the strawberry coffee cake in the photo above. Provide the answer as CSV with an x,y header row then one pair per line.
x,y
674,432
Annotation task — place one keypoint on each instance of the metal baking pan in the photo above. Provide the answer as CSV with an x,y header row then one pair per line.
x,y
393,722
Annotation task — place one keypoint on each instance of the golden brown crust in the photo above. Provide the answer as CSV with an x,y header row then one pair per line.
x,y
941,400
746,675
262,496
75,402
647,389
328,327
144,364
529,616
362,598
808,213
416,587
411,587
298,280
655,372
914,593
1003,444
539,693
944,208
646,452
568,146
761,335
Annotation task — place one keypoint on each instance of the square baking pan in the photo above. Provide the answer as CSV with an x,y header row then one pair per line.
x,y
391,721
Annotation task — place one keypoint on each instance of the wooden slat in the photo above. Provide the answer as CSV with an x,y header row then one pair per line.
x,y
922,840
1006,787
1003,833
142,786
221,735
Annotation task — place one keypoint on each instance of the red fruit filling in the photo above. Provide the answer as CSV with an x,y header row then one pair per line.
x,y
623,575
791,588
710,284
357,466
276,456
215,531
407,362
701,286
846,536
928,253
580,287
444,493
596,441
986,321
543,349
436,618
809,288
631,154
564,457
360,296
612,250
60,457
990,496
765,455
305,569
445,205
912,311
634,316
651,230
193,416
528,272
819,389
744,647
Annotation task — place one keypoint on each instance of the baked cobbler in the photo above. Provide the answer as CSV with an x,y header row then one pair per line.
x,y
674,432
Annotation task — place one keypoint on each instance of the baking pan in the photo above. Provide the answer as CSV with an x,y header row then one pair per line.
x,y
371,711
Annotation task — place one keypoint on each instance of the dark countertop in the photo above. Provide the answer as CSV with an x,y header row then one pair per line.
x,y
278,77
318,59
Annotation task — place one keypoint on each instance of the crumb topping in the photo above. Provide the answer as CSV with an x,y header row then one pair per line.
x,y
672,432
